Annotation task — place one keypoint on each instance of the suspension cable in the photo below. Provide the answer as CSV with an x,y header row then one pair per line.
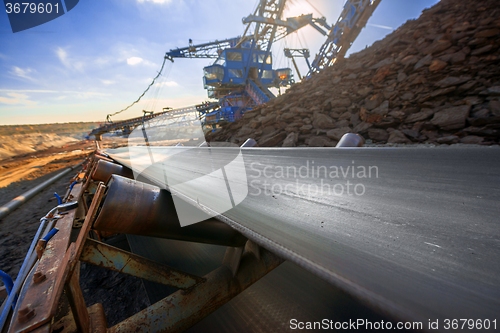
x,y
145,91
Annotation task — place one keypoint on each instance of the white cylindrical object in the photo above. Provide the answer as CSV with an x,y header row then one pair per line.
x,y
249,143
18,201
351,140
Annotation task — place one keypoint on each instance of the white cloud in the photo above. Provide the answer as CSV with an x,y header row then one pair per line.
x,y
107,82
22,73
132,61
168,84
62,54
40,91
104,61
161,2
16,99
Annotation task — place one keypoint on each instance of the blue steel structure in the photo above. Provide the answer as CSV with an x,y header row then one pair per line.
x,y
352,19
243,72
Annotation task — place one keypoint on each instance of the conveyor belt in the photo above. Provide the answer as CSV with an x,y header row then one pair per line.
x,y
421,242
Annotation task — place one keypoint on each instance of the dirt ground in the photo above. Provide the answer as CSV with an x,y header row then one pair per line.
x,y
19,174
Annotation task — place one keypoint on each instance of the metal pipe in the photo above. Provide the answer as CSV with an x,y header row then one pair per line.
x,y
18,201
7,281
20,277
104,169
136,208
46,223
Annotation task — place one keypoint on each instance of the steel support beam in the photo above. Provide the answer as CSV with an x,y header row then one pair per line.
x,y
109,257
182,309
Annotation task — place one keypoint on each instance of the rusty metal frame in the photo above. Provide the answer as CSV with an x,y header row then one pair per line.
x,y
58,270
38,305
40,310
115,259
181,310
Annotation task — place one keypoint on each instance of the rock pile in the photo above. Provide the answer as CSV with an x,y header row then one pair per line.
x,y
433,80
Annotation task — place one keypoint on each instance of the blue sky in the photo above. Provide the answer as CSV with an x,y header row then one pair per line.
x,y
99,57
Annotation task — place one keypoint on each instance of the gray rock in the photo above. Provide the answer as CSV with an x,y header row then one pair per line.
x,y
398,114
268,119
337,133
411,133
273,141
341,102
437,47
409,60
317,141
383,109
306,129
443,91
482,113
450,139
458,57
291,140
419,116
363,92
268,130
361,127
487,33
250,114
344,115
407,96
385,62
493,91
437,65
378,134
452,81
287,116
423,62
398,137
355,119
494,107
482,50
245,130
322,121
472,139
374,101
402,76
342,123
451,118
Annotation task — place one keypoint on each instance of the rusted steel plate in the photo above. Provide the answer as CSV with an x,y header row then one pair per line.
x,y
58,260
110,257
41,297
182,309
97,318
43,329
67,323
87,225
